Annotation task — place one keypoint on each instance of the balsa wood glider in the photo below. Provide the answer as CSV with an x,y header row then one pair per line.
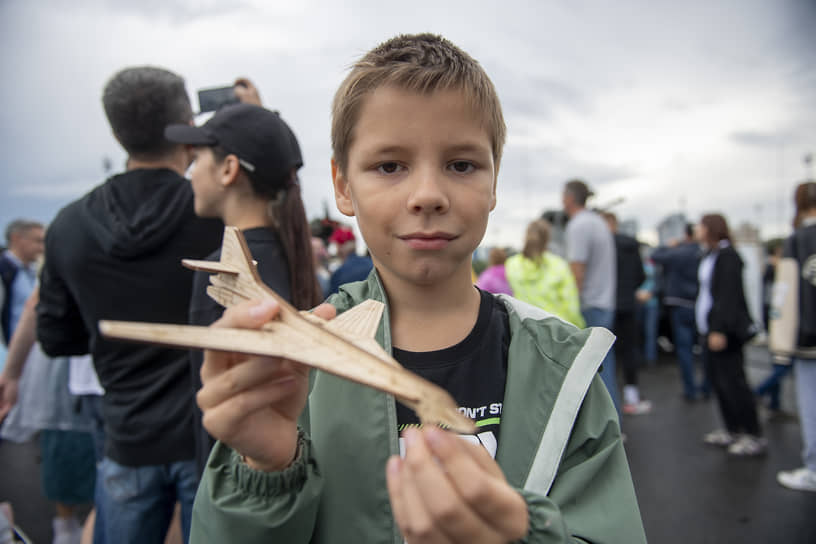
x,y
344,346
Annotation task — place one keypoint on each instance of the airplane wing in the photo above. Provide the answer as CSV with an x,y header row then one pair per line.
x,y
277,339
344,346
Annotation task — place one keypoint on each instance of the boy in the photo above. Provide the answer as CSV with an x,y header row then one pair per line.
x,y
417,136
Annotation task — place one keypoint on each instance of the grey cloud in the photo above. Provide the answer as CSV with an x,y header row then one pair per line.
x,y
175,11
763,139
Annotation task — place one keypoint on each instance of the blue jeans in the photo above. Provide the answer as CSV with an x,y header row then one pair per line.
x,y
647,319
138,502
684,333
599,317
805,397
772,385
91,407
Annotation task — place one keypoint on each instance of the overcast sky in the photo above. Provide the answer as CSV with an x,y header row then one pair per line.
x,y
672,106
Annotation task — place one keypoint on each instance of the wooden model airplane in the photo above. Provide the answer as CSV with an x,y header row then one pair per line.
x,y
344,346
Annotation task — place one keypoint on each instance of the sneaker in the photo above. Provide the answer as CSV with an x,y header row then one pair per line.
x,y
801,479
665,344
66,531
748,446
638,408
720,437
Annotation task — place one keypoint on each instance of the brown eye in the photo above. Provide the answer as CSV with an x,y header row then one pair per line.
x,y
388,168
462,167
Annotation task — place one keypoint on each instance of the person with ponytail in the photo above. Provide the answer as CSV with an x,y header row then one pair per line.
x,y
245,173
542,278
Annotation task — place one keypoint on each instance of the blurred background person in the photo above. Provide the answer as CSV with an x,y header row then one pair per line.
x,y
542,278
18,270
647,312
321,259
114,254
494,278
352,267
591,257
801,246
630,277
679,262
35,393
724,325
245,174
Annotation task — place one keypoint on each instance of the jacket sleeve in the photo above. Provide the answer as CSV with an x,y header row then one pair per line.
x,y
592,498
236,503
663,255
60,328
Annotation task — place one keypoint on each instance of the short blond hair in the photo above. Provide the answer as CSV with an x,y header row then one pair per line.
x,y
422,63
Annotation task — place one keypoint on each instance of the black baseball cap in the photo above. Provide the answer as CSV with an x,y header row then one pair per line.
x,y
265,145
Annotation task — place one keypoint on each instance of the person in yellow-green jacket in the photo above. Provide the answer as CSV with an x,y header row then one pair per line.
x,y
544,279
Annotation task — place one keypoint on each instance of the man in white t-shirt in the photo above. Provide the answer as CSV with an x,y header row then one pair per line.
x,y
591,256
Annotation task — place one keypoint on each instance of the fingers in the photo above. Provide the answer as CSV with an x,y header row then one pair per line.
x,y
223,420
325,311
410,512
246,91
246,315
480,482
251,314
272,372
432,503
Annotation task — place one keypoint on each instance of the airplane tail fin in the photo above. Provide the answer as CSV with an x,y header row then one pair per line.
x,y
235,277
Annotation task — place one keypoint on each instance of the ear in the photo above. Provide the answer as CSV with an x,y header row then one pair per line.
x,y
493,193
342,191
228,170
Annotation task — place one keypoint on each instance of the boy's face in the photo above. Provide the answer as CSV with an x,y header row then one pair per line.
x,y
420,178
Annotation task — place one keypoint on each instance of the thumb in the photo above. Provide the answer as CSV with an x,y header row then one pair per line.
x,y
251,314
325,311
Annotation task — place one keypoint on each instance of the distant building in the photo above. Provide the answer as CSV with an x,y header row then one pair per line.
x,y
558,243
628,227
673,227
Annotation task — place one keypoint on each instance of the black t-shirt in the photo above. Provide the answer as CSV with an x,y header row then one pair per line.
x,y
474,372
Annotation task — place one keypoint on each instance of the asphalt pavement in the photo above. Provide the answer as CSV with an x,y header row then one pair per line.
x,y
688,492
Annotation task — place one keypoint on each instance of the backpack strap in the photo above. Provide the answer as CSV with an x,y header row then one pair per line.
x,y
565,410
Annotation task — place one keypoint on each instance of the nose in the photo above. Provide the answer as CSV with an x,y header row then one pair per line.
x,y
428,192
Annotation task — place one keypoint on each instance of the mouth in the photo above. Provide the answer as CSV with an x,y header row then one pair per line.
x,y
427,240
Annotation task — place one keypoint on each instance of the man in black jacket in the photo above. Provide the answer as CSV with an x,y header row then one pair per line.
x,y
630,276
115,254
679,262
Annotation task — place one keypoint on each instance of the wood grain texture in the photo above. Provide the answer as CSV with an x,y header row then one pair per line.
x,y
344,346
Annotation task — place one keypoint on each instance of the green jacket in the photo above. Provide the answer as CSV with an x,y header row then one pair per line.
x,y
547,283
572,469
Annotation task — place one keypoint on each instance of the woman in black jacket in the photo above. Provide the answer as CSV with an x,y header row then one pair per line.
x,y
725,325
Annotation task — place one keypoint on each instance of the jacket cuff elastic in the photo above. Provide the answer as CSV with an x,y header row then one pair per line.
x,y
270,484
546,523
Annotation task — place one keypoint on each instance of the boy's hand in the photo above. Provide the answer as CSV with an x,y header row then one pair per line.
x,y
448,490
252,402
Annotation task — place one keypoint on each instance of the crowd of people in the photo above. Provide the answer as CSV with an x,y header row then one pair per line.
x,y
235,447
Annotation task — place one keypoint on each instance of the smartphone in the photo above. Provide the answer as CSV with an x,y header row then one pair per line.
x,y
215,98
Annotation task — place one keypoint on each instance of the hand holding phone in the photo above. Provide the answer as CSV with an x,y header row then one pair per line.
x,y
215,98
